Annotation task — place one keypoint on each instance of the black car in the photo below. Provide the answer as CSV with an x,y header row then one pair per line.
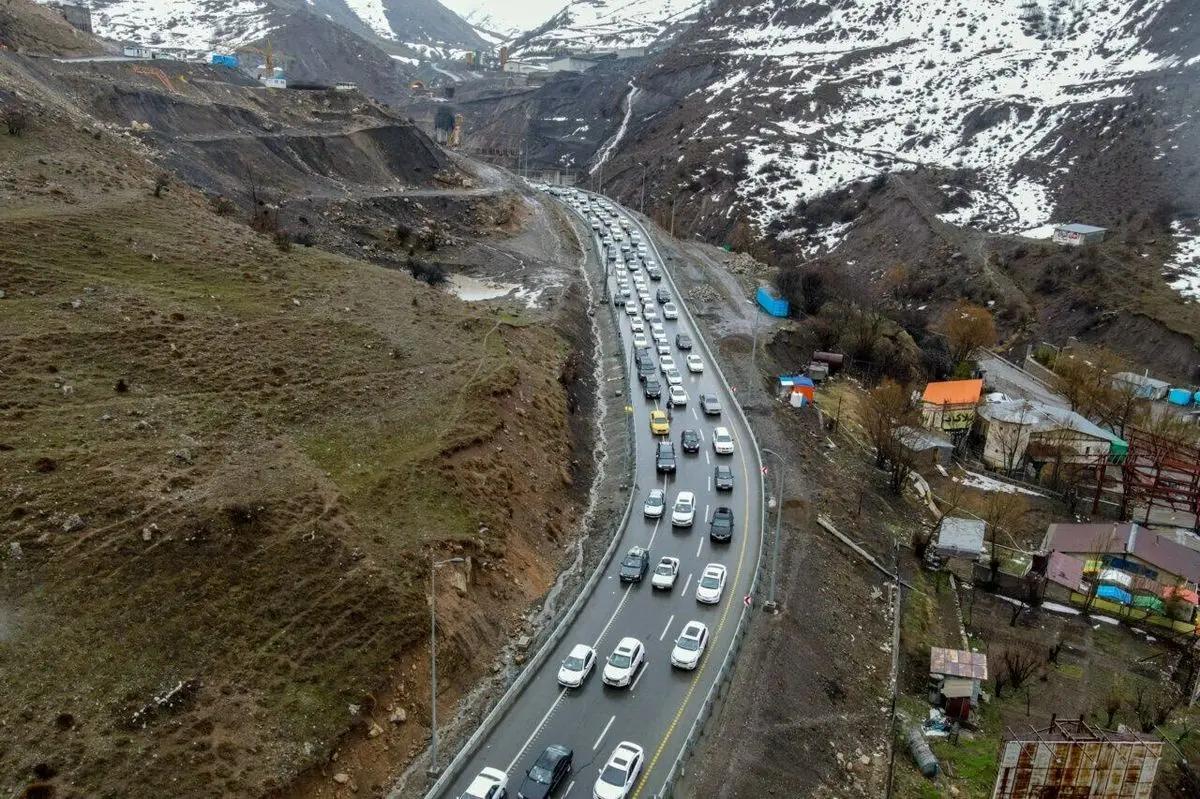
x,y
646,369
690,441
652,388
723,478
641,354
683,341
548,772
721,526
662,295
653,273
635,565
710,404
664,460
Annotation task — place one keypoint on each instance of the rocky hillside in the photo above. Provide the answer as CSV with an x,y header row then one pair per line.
x,y
587,25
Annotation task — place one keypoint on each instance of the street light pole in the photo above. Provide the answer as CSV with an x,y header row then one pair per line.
x,y
754,376
642,203
433,567
771,606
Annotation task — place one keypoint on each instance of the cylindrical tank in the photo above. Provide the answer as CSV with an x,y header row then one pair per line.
x,y
921,752
1179,396
1196,398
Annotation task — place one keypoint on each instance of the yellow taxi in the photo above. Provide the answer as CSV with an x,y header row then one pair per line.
x,y
659,425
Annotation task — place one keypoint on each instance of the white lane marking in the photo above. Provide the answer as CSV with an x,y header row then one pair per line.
x,y
657,522
612,618
685,585
700,546
706,459
536,730
706,517
570,785
604,732
694,414
710,484
667,628
701,434
638,678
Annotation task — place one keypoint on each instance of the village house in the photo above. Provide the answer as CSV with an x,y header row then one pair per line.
x,y
1145,386
1018,432
949,406
1136,551
1077,235
955,676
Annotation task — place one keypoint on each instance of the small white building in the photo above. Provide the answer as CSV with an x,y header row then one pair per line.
x,y
1077,235
1146,387
523,67
1016,429
137,51
570,64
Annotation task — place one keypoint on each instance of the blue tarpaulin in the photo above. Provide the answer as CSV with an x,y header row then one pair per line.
x,y
773,305
1114,594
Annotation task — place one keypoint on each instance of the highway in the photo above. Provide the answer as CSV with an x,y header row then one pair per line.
x,y
662,703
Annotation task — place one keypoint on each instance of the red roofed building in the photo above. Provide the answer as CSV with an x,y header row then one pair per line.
x,y
950,405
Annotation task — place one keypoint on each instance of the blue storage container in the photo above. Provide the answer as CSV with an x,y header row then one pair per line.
x,y
1196,398
1180,396
773,305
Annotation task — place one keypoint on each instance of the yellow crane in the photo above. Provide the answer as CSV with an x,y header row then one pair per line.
x,y
267,51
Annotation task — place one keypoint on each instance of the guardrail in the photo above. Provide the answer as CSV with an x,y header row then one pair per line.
x,y
550,641
678,768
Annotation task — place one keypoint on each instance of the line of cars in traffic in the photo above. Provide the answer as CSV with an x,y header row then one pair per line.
x,y
629,263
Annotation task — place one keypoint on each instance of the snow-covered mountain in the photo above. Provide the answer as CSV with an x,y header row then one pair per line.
x,y
504,18
586,25
410,28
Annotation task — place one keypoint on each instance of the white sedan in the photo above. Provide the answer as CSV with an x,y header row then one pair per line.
x,y
722,441
694,363
669,311
640,340
631,308
684,512
492,783
637,325
663,347
649,311
665,573
620,774
674,378
711,585
676,395
689,646
666,362
577,666
656,500
624,662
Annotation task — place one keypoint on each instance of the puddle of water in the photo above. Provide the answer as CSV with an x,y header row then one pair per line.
x,y
473,289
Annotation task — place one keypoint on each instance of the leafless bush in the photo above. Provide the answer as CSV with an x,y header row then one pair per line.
x,y
161,182
1014,666
16,119
283,240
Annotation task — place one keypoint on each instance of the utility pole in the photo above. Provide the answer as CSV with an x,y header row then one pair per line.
x,y
677,196
642,204
433,727
754,376
772,606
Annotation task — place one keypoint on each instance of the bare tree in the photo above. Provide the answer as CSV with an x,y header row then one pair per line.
x,y
161,182
1153,704
966,327
1003,513
1015,665
1100,548
1113,702
889,408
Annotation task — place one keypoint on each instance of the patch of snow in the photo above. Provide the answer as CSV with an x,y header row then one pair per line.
x,y
1183,270
1057,608
373,13
1106,620
620,134
1039,232
985,483
583,26
198,25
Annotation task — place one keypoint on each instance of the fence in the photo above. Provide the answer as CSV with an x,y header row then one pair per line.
x,y
545,642
678,768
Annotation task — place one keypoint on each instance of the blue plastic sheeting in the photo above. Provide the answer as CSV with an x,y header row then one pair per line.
x,y
1114,594
770,303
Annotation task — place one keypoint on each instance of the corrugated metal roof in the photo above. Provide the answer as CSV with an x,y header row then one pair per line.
x,y
1065,570
1160,551
958,663
960,537
918,439
1140,380
1045,418
1075,227
953,392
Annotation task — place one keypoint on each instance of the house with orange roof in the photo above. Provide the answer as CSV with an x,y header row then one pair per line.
x,y
950,405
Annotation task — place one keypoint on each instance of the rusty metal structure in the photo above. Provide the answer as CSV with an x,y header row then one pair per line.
x,y
1155,472
1074,760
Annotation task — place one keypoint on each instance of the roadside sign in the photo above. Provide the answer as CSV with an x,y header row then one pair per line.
x,y
746,600
764,470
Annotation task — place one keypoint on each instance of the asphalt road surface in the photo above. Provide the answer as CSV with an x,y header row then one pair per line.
x,y
662,702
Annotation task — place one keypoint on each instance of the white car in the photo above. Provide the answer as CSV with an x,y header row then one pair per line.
x,y
711,585
631,308
663,347
492,783
656,500
637,325
657,333
676,395
689,646
649,311
620,774
694,363
639,340
669,311
624,662
665,573
722,441
674,378
684,512
666,362
577,666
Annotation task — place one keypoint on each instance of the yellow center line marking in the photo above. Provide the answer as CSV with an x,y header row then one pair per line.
x,y
704,667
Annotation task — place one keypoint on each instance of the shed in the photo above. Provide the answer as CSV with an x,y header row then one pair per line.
x,y
960,538
796,384
1077,235
1147,387
771,302
954,679
927,447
